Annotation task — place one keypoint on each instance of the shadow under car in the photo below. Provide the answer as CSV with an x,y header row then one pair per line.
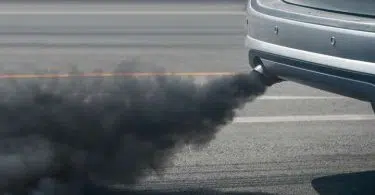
x,y
357,183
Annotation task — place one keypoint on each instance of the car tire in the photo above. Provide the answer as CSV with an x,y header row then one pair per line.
x,y
373,106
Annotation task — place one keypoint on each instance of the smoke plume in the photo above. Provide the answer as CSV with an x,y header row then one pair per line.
x,y
109,129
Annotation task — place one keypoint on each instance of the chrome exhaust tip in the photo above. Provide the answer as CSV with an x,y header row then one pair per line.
x,y
267,78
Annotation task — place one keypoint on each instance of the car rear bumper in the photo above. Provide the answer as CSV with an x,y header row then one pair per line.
x,y
334,57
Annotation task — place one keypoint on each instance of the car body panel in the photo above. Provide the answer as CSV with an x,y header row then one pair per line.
x,y
278,8
361,7
313,37
312,49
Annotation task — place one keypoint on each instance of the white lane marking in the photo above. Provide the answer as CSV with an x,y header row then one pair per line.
x,y
308,118
302,98
237,13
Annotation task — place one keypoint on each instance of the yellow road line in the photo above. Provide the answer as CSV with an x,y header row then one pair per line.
x,y
109,74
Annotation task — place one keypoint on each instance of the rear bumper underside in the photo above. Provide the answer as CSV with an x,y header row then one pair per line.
x,y
356,85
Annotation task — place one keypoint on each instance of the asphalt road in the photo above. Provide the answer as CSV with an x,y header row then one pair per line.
x,y
283,143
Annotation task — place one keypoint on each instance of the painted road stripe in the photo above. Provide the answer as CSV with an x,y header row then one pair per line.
x,y
302,97
109,74
299,118
236,13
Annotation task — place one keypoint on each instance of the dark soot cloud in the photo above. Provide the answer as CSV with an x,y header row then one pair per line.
x,y
110,129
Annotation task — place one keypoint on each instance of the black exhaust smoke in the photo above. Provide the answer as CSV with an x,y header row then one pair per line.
x,y
110,130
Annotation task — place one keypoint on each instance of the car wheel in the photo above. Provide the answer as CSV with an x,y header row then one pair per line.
x,y
373,106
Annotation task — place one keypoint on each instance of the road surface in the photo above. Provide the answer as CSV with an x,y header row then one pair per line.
x,y
280,144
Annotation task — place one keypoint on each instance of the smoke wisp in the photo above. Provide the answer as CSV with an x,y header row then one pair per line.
x,y
109,129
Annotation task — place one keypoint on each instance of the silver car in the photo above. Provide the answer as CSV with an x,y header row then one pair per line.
x,y
325,44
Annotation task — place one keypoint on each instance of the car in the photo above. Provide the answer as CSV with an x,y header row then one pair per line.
x,y
328,45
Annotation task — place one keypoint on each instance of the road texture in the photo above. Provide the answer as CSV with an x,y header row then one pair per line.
x,y
283,143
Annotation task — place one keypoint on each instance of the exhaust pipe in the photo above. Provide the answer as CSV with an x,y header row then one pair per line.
x,y
267,78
